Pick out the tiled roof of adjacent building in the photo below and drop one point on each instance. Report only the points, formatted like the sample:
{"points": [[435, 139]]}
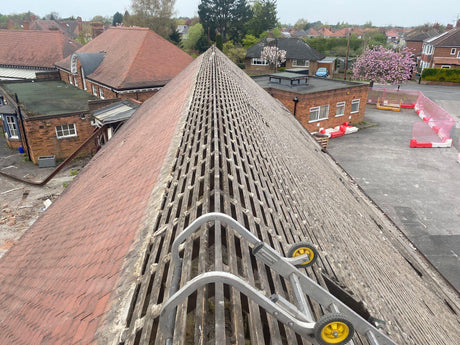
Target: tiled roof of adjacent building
{"points": [[133, 58], [419, 36], [447, 39], [30, 48], [96, 266], [295, 48]]}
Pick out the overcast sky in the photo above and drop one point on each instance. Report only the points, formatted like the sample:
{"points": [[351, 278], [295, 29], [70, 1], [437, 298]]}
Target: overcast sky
{"points": [[390, 12]]}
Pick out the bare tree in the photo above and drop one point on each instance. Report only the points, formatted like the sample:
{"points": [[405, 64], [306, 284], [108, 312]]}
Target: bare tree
{"points": [[154, 14]]}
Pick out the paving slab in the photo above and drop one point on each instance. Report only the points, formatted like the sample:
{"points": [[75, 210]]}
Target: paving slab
{"points": [[418, 188]]}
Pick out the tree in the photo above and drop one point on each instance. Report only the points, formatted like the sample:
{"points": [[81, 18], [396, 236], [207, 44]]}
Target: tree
{"points": [[224, 17], [153, 14], [175, 38], [235, 53], [194, 34], [384, 65], [219, 43], [302, 24], [274, 56], [264, 17], [249, 40], [117, 19]]}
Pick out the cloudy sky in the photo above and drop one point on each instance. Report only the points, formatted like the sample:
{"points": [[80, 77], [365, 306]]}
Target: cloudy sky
{"points": [[389, 12]]}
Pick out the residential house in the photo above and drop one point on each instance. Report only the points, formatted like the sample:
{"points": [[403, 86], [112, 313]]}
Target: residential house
{"points": [[24, 53], [124, 63], [414, 41], [98, 266], [298, 55], [182, 29], [46, 118], [442, 51], [318, 103]]}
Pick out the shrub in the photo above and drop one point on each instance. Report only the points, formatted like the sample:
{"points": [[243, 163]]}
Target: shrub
{"points": [[441, 74]]}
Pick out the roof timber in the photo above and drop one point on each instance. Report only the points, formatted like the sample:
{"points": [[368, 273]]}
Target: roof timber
{"points": [[243, 155]]}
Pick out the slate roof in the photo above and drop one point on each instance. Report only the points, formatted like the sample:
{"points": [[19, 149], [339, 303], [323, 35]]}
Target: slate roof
{"points": [[133, 58], [420, 36], [447, 39], [30, 48], [95, 267], [295, 48]]}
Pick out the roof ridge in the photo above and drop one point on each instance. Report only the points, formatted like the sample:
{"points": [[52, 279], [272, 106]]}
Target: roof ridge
{"points": [[133, 65]]}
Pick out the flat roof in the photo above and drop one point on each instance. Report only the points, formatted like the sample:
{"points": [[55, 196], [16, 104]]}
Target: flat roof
{"points": [[314, 84], [48, 98]]}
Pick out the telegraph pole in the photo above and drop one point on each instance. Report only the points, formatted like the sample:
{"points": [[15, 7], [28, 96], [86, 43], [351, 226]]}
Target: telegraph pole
{"points": [[346, 59]]}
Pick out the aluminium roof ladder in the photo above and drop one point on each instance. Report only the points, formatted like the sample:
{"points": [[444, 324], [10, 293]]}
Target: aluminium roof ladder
{"points": [[337, 327]]}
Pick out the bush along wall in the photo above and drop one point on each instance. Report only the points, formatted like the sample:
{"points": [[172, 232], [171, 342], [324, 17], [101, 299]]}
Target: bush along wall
{"points": [[441, 74]]}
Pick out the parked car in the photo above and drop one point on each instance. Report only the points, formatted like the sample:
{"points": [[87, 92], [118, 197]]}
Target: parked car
{"points": [[322, 72]]}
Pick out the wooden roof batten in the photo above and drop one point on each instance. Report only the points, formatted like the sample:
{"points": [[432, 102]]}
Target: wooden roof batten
{"points": [[240, 153]]}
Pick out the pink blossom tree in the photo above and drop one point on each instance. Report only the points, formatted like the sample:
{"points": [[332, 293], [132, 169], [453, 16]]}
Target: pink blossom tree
{"points": [[384, 66], [274, 56]]}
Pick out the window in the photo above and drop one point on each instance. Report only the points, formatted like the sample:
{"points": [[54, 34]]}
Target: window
{"points": [[300, 63], [75, 81], [12, 127], [453, 51], [319, 113], [340, 109], [94, 90], [355, 106], [66, 131], [261, 62], [101, 93], [70, 80], [458, 54], [445, 66]]}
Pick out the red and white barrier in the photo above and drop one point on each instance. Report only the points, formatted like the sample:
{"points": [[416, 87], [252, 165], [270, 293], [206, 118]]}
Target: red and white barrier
{"points": [[338, 131], [437, 119]]}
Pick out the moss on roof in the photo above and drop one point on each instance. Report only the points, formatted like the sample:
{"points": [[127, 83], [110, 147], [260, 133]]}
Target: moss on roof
{"points": [[49, 98]]}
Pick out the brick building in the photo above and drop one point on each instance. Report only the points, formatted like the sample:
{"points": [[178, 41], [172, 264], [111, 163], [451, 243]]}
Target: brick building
{"points": [[98, 266], [442, 51], [298, 55], [52, 119], [124, 63], [320, 103], [24, 53]]}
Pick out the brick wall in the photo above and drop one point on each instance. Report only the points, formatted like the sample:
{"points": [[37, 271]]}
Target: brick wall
{"points": [[415, 47], [330, 98], [41, 135]]}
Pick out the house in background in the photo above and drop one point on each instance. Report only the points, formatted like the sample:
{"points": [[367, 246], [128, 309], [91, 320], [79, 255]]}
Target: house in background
{"points": [[124, 63], [48, 118], [298, 55], [414, 41], [442, 51], [24, 53], [318, 103]]}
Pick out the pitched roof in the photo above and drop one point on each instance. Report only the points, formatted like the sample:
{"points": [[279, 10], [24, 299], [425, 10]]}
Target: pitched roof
{"points": [[133, 58], [447, 39], [420, 36], [295, 48], [31, 48], [96, 266]]}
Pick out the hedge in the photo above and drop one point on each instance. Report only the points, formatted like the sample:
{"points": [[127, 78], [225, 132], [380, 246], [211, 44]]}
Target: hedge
{"points": [[441, 74]]}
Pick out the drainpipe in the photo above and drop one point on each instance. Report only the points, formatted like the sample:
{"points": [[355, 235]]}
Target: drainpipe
{"points": [[295, 100], [21, 120]]}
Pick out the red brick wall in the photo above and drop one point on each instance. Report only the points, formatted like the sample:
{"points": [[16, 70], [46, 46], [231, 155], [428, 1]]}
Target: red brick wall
{"points": [[415, 47], [41, 135], [330, 98]]}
